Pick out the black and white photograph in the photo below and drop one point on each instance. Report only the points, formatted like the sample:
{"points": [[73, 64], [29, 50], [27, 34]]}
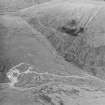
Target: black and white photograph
{"points": [[52, 52]]}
